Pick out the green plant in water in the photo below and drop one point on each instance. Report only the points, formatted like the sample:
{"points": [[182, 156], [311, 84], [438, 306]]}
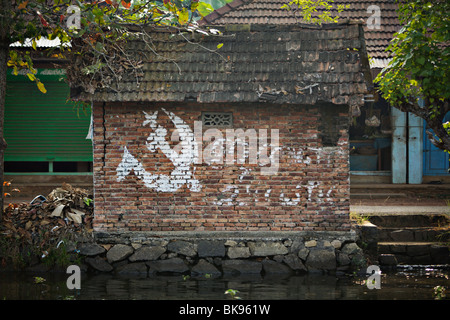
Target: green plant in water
{"points": [[39, 280], [439, 292], [233, 293]]}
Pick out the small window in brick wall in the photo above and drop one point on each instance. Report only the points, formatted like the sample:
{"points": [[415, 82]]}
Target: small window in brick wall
{"points": [[217, 119]]}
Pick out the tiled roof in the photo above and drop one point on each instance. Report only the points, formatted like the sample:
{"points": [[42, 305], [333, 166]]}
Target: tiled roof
{"points": [[270, 12], [282, 64]]}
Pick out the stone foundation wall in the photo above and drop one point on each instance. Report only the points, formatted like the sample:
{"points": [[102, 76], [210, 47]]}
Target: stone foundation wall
{"points": [[228, 253]]}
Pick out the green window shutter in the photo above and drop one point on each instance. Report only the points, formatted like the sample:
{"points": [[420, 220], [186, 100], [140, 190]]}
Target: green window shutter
{"points": [[44, 127]]}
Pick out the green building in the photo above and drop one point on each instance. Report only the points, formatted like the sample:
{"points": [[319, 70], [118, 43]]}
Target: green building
{"points": [[47, 135]]}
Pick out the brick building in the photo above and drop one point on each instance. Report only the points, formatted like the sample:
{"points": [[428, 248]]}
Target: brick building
{"points": [[250, 137]]}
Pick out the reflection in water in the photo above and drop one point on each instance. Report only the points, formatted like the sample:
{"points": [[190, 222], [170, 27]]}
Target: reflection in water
{"points": [[402, 285]]}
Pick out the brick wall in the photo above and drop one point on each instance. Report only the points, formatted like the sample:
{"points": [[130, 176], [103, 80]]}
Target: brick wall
{"points": [[141, 185]]}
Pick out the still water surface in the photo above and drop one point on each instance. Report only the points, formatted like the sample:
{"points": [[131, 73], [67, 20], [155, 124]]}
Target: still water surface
{"points": [[403, 284]]}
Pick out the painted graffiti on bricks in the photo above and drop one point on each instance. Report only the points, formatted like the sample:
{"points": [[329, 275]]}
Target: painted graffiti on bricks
{"points": [[235, 147], [189, 152]]}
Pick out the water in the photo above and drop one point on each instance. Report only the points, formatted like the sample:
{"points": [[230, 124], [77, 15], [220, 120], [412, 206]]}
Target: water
{"points": [[407, 283]]}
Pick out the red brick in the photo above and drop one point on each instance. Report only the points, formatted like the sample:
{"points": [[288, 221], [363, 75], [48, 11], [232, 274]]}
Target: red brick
{"points": [[319, 176]]}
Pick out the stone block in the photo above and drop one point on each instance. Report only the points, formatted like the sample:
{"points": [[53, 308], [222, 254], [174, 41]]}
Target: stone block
{"points": [[230, 243], [135, 268], [174, 265], [369, 232], [99, 264], [387, 259], [273, 267], [264, 249], [237, 267], [211, 248], [146, 253], [351, 248], [440, 254], [321, 259], [402, 235], [417, 250], [296, 246], [203, 267], [310, 243], [238, 252], [343, 259], [294, 262], [397, 248], [119, 252], [91, 249], [421, 259], [303, 254], [183, 247], [336, 244]]}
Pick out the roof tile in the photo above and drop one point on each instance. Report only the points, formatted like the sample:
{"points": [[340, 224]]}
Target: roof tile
{"points": [[279, 64], [270, 12]]}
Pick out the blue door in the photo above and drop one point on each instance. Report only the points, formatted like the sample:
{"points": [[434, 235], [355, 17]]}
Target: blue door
{"points": [[435, 160]]}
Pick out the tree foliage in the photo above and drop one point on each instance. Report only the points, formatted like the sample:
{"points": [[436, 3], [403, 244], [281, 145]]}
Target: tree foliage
{"points": [[417, 78], [316, 11], [95, 28], [90, 33]]}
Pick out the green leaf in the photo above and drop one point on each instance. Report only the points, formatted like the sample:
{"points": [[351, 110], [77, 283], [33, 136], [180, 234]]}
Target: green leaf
{"points": [[194, 6], [31, 76], [99, 46], [204, 8], [421, 60], [41, 87], [183, 16]]}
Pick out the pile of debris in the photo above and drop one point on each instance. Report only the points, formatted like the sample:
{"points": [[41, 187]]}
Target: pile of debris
{"points": [[65, 211]]}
